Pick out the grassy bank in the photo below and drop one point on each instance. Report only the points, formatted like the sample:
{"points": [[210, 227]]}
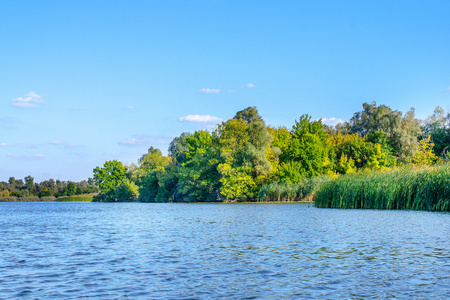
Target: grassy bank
{"points": [[26, 199], [76, 198], [421, 188]]}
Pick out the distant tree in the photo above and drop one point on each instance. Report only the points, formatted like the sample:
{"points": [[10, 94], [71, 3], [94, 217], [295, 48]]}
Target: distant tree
{"points": [[46, 192], [29, 184], [70, 189], [249, 115]]}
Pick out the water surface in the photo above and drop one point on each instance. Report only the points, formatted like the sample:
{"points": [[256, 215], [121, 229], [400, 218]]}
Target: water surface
{"points": [[231, 251]]}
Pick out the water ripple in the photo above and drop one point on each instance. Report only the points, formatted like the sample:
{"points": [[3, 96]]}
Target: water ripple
{"points": [[236, 251]]}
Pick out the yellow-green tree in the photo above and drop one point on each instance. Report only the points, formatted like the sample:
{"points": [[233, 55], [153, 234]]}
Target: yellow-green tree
{"points": [[425, 154]]}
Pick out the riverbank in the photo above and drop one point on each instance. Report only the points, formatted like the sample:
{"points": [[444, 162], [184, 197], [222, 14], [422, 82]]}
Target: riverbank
{"points": [[74, 198]]}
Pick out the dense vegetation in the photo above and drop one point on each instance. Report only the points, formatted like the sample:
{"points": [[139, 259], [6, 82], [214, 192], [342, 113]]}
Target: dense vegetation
{"points": [[47, 190], [425, 187], [245, 160]]}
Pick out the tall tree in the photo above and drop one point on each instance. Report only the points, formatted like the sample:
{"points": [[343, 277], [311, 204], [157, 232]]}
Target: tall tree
{"points": [[437, 127], [307, 154], [178, 148], [402, 131]]}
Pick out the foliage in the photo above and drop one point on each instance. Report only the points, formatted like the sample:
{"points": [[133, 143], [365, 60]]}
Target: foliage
{"points": [[236, 182], [437, 127], [425, 154], [126, 191], [153, 160], [245, 160], [308, 152], [401, 131], [110, 176]]}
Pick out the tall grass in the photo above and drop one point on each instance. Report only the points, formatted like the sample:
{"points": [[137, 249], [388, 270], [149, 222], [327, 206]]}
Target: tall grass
{"points": [[300, 191], [26, 199], [76, 198], [420, 187]]}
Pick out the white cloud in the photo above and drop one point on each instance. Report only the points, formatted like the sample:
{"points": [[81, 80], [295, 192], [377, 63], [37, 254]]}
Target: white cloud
{"points": [[332, 121], [200, 119], [146, 140], [141, 142], [130, 107], [209, 91], [27, 157], [250, 85], [5, 145], [28, 100]]}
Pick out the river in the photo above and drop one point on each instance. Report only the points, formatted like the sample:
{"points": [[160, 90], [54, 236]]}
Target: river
{"points": [[230, 251]]}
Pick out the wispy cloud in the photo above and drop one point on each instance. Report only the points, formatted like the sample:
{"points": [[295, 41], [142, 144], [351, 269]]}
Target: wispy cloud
{"points": [[140, 140], [209, 91], [332, 121], [250, 85], [27, 157], [5, 144], [65, 145], [28, 100], [132, 142], [130, 107], [206, 119], [155, 136]]}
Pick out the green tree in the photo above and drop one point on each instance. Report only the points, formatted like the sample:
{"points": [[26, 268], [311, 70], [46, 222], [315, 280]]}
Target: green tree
{"points": [[198, 179], [178, 148], [308, 150], [70, 189], [152, 160], [126, 191], [402, 131], [437, 127], [110, 176], [425, 154], [29, 184]]}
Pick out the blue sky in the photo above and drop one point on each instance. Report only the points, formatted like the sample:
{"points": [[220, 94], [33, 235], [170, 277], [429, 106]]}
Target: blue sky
{"points": [[83, 82]]}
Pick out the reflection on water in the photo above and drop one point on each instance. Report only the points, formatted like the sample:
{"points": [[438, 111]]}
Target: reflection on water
{"points": [[233, 251]]}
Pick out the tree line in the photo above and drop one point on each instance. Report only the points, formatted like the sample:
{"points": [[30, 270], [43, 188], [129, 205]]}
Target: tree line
{"points": [[28, 188], [243, 157]]}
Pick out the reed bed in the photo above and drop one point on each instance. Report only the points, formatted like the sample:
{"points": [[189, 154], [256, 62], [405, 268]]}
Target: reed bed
{"points": [[75, 198], [26, 199], [419, 188], [299, 191]]}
